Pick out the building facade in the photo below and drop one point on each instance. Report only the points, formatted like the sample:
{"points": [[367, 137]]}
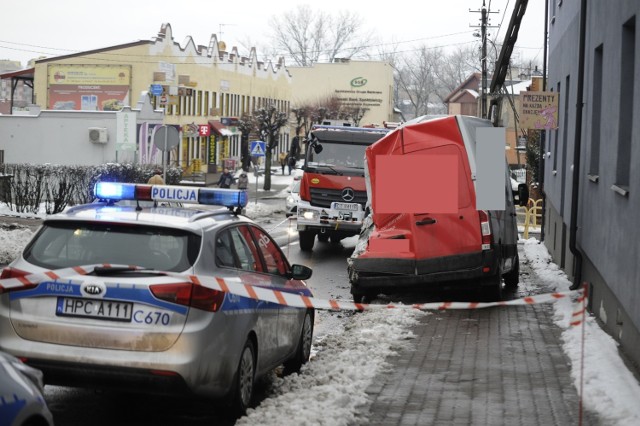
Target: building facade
{"points": [[601, 126], [365, 85], [198, 87]]}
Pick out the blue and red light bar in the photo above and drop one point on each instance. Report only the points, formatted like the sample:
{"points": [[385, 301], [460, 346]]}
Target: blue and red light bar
{"points": [[116, 191]]}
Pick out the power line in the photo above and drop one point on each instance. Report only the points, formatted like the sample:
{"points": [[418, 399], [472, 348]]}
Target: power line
{"points": [[72, 52]]}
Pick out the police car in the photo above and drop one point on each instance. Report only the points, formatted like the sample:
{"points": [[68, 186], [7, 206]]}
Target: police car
{"points": [[21, 400], [122, 304]]}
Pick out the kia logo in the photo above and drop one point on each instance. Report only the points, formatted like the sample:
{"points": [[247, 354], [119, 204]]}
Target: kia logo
{"points": [[348, 194], [92, 289]]}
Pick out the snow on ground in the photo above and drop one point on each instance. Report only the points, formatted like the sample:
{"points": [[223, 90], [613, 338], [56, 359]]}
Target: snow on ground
{"points": [[331, 387], [610, 389]]}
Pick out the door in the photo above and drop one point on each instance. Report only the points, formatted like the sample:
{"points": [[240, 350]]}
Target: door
{"points": [[441, 235]]}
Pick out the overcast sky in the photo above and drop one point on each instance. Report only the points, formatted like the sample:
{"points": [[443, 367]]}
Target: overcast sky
{"points": [[52, 28]]}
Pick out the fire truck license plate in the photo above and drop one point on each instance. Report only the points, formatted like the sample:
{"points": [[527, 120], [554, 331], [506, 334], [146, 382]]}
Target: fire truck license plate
{"points": [[353, 207]]}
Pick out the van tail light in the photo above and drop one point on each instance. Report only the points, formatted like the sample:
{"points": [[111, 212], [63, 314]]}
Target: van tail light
{"points": [[485, 228], [188, 294], [10, 272]]}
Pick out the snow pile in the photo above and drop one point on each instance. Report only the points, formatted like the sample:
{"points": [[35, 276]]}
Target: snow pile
{"points": [[12, 242], [255, 210], [610, 388], [331, 388]]}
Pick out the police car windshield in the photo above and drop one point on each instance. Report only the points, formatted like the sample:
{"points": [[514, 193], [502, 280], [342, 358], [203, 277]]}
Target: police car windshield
{"points": [[338, 155], [61, 245]]}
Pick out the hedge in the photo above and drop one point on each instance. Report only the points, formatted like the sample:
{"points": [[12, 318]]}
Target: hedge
{"points": [[26, 187]]}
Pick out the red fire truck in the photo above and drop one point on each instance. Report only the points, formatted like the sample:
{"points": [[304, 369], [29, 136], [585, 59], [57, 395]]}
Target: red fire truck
{"points": [[332, 190]]}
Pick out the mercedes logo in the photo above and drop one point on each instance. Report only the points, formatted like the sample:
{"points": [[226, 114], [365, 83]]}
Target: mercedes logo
{"points": [[348, 194]]}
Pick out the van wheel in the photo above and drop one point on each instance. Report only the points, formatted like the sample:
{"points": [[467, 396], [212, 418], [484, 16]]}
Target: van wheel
{"points": [[242, 393], [323, 237], [493, 288], [303, 351], [512, 278], [360, 296], [306, 240]]}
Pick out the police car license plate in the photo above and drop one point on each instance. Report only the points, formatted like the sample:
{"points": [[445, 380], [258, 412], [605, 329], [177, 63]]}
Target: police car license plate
{"points": [[92, 308], [353, 207]]}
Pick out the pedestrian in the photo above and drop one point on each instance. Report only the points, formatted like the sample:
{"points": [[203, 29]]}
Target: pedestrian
{"points": [[156, 179], [243, 181], [292, 163], [226, 179], [283, 160]]}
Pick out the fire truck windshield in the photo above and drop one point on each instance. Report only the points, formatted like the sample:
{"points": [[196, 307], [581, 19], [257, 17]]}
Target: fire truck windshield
{"points": [[337, 155]]}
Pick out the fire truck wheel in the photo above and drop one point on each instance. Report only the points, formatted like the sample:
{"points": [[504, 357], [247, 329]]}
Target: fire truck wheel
{"points": [[307, 239], [323, 238]]}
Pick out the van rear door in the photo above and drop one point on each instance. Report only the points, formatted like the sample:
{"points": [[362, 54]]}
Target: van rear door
{"points": [[441, 235]]}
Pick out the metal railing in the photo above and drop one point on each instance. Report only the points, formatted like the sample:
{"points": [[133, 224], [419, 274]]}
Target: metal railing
{"points": [[531, 215]]}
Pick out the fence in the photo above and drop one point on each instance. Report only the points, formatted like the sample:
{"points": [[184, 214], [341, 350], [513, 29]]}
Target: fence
{"points": [[531, 216]]}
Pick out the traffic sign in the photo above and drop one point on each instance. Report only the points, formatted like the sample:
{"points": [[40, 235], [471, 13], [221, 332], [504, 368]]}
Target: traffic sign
{"points": [[258, 148], [166, 137], [156, 89], [163, 100]]}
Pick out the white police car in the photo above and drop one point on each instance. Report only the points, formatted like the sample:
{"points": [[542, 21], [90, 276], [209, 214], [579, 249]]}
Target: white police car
{"points": [[140, 317], [21, 400], [293, 196]]}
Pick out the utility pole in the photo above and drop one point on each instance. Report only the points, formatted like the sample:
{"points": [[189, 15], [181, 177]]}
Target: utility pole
{"points": [[484, 24]]}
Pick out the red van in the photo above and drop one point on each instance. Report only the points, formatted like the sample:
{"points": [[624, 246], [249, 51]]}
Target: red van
{"points": [[424, 249]]}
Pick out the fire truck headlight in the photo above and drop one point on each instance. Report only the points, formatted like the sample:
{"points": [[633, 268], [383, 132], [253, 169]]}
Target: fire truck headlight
{"points": [[308, 214]]}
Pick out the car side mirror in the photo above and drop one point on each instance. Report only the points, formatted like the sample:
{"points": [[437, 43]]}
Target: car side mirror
{"points": [[300, 272], [317, 148], [523, 194]]}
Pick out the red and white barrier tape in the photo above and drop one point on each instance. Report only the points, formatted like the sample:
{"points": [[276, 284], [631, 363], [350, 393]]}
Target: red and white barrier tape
{"points": [[237, 287]]}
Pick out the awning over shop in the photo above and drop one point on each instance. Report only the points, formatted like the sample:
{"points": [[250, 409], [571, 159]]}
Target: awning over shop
{"points": [[25, 75], [220, 128]]}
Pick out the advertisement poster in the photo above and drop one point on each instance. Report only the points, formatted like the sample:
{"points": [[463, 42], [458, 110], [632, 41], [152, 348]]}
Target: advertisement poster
{"points": [[539, 110], [88, 87]]}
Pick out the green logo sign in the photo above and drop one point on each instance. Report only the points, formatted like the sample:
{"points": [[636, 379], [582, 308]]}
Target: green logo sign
{"points": [[358, 82]]}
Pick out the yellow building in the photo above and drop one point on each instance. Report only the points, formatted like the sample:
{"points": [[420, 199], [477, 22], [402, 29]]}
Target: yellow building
{"points": [[356, 84], [199, 87]]}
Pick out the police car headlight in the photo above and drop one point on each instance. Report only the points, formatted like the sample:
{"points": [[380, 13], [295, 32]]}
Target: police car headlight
{"points": [[289, 201]]}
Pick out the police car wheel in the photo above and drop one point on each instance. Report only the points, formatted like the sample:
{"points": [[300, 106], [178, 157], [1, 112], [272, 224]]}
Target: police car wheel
{"points": [[303, 351], [244, 380]]}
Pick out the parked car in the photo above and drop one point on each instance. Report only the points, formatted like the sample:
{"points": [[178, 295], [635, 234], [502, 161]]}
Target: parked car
{"points": [[127, 324], [21, 399], [424, 249], [293, 196]]}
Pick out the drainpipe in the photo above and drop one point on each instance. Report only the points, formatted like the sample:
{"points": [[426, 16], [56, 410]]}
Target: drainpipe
{"points": [[573, 230], [543, 133]]}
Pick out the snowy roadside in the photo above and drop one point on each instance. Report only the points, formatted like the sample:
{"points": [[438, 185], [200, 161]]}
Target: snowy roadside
{"points": [[610, 389], [330, 390], [332, 386]]}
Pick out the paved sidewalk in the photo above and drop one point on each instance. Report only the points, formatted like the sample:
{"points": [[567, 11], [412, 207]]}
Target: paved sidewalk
{"points": [[497, 366]]}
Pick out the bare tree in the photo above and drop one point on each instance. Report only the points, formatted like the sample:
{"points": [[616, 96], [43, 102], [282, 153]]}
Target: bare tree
{"points": [[302, 114], [417, 78], [269, 122], [454, 68], [309, 36], [355, 114], [246, 125]]}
